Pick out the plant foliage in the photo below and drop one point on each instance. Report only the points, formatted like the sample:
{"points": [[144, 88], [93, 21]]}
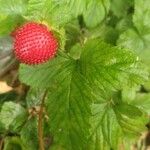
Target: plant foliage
{"points": [[94, 91]]}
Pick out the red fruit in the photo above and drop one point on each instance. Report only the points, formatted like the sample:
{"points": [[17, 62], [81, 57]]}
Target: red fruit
{"points": [[34, 43]]}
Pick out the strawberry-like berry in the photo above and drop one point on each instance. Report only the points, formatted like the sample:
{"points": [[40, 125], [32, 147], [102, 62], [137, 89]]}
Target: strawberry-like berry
{"points": [[34, 43]]}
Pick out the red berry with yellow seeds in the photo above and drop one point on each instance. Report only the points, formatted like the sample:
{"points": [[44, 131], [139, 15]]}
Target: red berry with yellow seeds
{"points": [[34, 43]]}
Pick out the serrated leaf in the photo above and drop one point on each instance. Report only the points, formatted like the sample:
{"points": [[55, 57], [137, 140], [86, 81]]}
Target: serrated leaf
{"points": [[54, 12], [137, 38], [9, 23], [109, 67], [139, 43], [53, 67], [12, 115], [71, 103], [142, 101], [140, 20], [114, 122], [95, 12], [77, 7], [118, 5], [13, 7]]}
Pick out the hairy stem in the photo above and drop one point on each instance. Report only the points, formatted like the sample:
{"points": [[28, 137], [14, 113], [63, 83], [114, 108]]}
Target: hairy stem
{"points": [[40, 123]]}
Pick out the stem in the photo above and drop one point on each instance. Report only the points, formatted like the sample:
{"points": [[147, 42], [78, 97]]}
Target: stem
{"points": [[1, 143], [40, 123]]}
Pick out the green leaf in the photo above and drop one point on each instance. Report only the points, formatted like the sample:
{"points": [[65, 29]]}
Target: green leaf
{"points": [[45, 73], [29, 135], [95, 12], [135, 41], [12, 115], [137, 38], [13, 7], [118, 5], [71, 103], [75, 51], [54, 12], [113, 122], [142, 101], [110, 67], [77, 7], [129, 111], [9, 23], [140, 20]]}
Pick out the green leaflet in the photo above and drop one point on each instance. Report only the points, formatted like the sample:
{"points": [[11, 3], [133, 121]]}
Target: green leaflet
{"points": [[137, 38], [97, 7], [54, 12], [51, 72], [12, 116], [13, 7], [114, 124], [69, 111], [140, 20], [109, 67], [12, 12]]}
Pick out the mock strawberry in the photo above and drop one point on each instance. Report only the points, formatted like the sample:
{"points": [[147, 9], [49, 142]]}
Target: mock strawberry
{"points": [[34, 43]]}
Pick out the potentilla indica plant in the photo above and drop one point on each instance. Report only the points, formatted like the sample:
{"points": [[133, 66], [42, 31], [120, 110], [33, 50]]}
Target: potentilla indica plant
{"points": [[78, 70]]}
